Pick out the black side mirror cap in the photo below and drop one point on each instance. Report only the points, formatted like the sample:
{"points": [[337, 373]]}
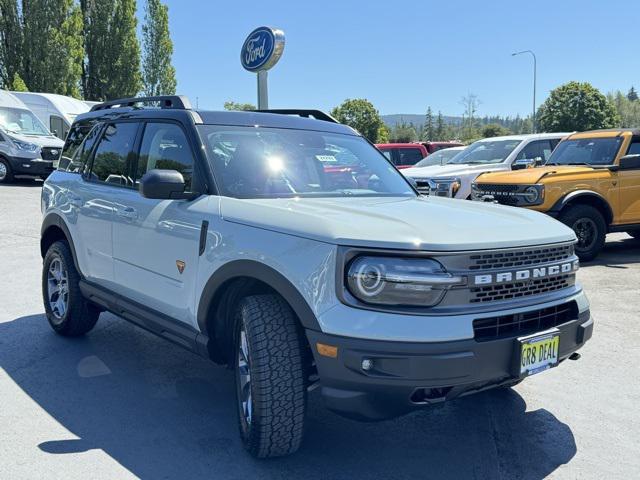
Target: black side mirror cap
{"points": [[629, 162], [163, 185]]}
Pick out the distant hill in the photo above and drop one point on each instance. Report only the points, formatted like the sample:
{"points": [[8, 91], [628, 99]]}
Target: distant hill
{"points": [[392, 120]]}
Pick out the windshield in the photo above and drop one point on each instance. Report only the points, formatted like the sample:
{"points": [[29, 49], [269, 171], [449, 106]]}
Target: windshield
{"points": [[256, 162], [19, 120], [492, 151], [438, 158], [586, 151]]}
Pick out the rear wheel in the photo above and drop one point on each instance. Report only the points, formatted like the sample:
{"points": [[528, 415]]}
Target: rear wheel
{"points": [[590, 228], [67, 311], [6, 175], [270, 376]]}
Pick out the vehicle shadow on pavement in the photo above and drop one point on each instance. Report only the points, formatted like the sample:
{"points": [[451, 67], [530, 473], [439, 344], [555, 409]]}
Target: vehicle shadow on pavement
{"points": [[162, 412], [617, 254]]}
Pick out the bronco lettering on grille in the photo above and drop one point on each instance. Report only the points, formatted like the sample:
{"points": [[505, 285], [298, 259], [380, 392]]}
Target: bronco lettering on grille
{"points": [[524, 275]]}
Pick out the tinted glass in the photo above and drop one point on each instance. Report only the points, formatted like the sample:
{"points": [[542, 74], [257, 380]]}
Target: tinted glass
{"points": [[409, 156], [256, 162], [165, 146], [634, 148], [111, 162], [586, 151], [78, 131], [492, 151], [440, 157], [539, 149], [80, 155]]}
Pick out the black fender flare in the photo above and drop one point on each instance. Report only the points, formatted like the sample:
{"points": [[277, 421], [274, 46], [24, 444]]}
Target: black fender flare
{"points": [[588, 194], [55, 220], [263, 273]]}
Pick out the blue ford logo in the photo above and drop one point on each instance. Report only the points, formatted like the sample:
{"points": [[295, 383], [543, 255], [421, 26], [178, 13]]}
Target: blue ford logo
{"points": [[262, 49]]}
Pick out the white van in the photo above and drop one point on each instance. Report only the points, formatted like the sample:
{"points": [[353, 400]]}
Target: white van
{"points": [[27, 148], [57, 112]]}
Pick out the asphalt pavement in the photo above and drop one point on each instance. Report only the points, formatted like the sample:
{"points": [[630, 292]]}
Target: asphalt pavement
{"points": [[121, 403]]}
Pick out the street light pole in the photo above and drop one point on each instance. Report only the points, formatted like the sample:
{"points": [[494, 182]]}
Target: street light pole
{"points": [[533, 117]]}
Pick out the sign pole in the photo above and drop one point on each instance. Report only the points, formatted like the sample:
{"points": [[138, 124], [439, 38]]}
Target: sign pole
{"points": [[263, 90]]}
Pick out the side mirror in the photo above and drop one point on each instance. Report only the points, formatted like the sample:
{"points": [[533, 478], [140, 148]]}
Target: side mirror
{"points": [[163, 185], [524, 163], [629, 162]]}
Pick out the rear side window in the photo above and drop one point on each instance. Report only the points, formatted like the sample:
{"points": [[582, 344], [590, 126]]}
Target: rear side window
{"points": [[114, 153], [165, 146], [634, 148], [78, 162], [78, 131], [409, 156]]}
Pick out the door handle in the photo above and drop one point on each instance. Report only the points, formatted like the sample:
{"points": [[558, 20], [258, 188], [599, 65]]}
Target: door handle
{"points": [[129, 213]]}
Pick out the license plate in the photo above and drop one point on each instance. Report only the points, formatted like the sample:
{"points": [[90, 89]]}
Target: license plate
{"points": [[539, 352]]}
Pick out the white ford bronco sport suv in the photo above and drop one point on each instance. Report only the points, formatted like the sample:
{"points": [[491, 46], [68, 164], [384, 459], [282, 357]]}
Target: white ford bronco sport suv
{"points": [[225, 233]]}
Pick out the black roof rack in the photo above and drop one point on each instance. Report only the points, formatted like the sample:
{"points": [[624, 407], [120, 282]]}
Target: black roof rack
{"points": [[176, 102], [317, 114]]}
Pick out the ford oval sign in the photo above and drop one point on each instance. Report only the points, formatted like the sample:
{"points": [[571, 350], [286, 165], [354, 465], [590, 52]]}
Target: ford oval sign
{"points": [[262, 49]]}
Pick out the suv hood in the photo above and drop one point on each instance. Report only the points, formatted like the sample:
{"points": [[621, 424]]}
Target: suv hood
{"points": [[40, 140], [534, 175], [461, 170], [415, 223]]}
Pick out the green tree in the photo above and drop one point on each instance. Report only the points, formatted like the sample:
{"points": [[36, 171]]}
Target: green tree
{"points": [[494, 130], [440, 127], [384, 134], [112, 68], [576, 106], [469, 129], [403, 133], [230, 105], [158, 74], [52, 51], [429, 130], [10, 42], [360, 114], [17, 84], [632, 95], [628, 110]]}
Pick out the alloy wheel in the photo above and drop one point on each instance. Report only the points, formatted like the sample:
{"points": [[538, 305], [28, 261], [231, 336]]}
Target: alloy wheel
{"points": [[244, 377], [58, 289], [3, 171], [587, 232]]}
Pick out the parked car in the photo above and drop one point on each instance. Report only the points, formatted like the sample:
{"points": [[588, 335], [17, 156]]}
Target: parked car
{"points": [[404, 155], [487, 155], [222, 232], [27, 148], [439, 157], [591, 183], [55, 111]]}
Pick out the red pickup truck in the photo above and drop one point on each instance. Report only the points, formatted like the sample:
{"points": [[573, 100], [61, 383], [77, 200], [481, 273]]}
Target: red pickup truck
{"points": [[404, 155]]}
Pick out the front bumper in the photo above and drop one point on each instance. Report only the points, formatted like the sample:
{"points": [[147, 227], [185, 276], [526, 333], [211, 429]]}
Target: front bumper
{"points": [[406, 376], [31, 167]]}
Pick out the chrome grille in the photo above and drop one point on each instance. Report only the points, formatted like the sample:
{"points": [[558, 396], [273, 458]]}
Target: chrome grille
{"points": [[519, 324], [509, 291], [50, 153], [520, 258]]}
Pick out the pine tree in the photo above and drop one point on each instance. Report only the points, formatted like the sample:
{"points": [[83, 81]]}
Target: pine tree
{"points": [[97, 17], [125, 79], [159, 76], [440, 127], [632, 95], [428, 132], [52, 46], [10, 42], [17, 84]]}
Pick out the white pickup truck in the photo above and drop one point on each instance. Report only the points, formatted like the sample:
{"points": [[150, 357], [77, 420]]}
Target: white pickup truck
{"points": [[487, 155]]}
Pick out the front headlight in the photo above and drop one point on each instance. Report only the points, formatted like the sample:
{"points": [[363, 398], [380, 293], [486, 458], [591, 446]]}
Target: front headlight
{"points": [[415, 282], [445, 187], [534, 194], [26, 146]]}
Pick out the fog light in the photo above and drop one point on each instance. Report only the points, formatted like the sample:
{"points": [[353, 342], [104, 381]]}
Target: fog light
{"points": [[367, 364]]}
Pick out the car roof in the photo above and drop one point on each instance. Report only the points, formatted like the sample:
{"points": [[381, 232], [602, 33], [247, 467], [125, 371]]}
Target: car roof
{"points": [[529, 136], [61, 102], [229, 118], [606, 132]]}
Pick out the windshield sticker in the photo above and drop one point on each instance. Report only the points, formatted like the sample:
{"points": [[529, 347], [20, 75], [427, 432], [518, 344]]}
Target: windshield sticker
{"points": [[326, 158]]}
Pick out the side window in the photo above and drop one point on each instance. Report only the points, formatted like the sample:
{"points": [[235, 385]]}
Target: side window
{"points": [[388, 154], [409, 156], [78, 162], [165, 146], [112, 159], [78, 132], [634, 148], [56, 125], [540, 149]]}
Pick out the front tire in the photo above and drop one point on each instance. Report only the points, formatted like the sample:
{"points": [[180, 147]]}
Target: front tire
{"points": [[67, 311], [590, 228], [6, 175], [270, 376]]}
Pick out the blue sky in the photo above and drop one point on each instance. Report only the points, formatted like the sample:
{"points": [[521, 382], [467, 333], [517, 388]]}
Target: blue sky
{"points": [[406, 55]]}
